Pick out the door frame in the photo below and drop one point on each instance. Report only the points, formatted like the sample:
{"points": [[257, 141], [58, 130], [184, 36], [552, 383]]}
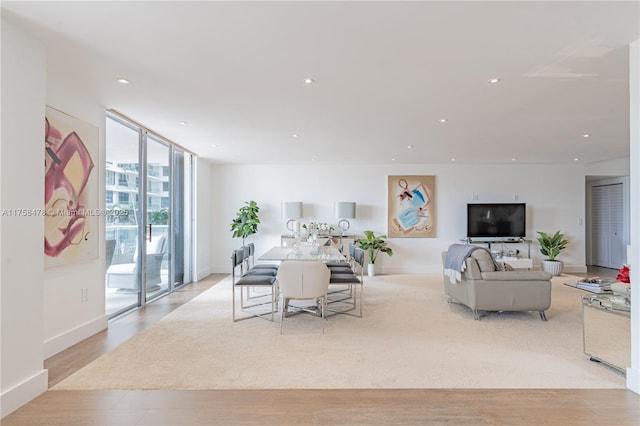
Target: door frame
{"points": [[144, 135]]}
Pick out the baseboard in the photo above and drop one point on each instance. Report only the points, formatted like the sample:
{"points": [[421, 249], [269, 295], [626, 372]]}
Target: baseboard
{"points": [[17, 396], [633, 380], [202, 274], [410, 270], [220, 269], [580, 269], [69, 338]]}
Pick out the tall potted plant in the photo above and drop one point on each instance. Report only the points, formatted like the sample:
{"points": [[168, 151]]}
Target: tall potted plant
{"points": [[551, 247], [246, 221], [373, 245]]}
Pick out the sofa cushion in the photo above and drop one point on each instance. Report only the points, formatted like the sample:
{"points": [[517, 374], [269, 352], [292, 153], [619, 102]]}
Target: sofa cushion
{"points": [[484, 259], [516, 276]]}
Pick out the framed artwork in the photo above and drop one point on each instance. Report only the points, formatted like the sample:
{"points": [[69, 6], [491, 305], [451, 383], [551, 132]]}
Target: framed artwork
{"points": [[411, 207], [70, 190]]}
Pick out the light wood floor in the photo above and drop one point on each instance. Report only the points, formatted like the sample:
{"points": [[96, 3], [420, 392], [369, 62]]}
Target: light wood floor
{"points": [[303, 407]]}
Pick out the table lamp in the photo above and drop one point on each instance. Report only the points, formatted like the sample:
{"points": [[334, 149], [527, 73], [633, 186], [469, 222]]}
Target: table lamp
{"points": [[291, 211], [345, 210]]}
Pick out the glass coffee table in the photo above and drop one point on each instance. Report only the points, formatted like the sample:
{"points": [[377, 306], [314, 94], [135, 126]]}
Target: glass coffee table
{"points": [[595, 291]]}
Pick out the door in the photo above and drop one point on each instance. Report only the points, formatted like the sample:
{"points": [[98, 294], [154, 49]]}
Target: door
{"points": [[607, 229], [157, 278], [181, 202], [122, 222]]}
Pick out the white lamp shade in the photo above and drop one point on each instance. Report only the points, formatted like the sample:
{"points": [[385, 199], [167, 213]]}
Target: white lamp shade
{"points": [[345, 210], [292, 210]]}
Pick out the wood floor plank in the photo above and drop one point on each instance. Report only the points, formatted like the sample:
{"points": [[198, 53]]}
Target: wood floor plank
{"points": [[333, 407]]}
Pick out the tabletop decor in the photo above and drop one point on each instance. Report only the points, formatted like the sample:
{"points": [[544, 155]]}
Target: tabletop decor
{"points": [[623, 275], [318, 228]]}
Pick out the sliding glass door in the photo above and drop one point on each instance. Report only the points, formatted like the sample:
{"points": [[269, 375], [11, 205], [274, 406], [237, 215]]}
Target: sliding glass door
{"points": [[123, 225], [148, 196], [157, 225], [181, 201]]}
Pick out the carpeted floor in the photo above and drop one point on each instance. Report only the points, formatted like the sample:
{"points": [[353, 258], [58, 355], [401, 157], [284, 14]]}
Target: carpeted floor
{"points": [[410, 337]]}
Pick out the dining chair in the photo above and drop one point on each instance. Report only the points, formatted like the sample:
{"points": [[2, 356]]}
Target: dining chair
{"points": [[242, 281], [354, 279], [303, 280], [253, 268], [345, 265]]}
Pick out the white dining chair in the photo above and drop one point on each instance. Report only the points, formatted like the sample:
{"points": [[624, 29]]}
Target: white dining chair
{"points": [[303, 280]]}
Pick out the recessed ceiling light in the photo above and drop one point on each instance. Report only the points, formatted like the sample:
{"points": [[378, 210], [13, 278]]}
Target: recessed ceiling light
{"points": [[513, 159], [295, 135], [393, 159], [123, 81], [576, 159], [313, 159], [453, 159], [410, 146], [308, 80], [586, 135], [494, 80], [443, 120], [183, 123]]}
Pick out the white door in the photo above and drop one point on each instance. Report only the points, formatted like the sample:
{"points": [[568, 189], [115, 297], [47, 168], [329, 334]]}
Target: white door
{"points": [[607, 225]]}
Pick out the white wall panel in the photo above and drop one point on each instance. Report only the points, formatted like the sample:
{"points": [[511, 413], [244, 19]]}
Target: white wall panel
{"points": [[554, 197], [21, 241]]}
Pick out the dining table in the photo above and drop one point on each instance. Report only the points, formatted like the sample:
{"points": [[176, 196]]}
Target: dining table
{"points": [[342, 299], [303, 251]]}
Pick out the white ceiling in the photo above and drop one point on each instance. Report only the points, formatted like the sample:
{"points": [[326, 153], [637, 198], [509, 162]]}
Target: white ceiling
{"points": [[385, 73]]}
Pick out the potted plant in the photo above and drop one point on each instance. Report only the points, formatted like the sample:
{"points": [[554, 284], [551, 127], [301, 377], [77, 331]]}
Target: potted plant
{"points": [[246, 221], [551, 247], [374, 245]]}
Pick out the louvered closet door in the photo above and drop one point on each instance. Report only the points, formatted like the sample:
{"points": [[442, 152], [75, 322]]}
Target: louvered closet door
{"points": [[607, 225]]}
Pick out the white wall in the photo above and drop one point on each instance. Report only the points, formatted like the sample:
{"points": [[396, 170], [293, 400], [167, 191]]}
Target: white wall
{"points": [[554, 195], [67, 319], [617, 167], [21, 273], [44, 307]]}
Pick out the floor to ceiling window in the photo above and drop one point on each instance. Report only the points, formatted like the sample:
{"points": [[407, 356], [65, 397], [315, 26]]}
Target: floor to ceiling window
{"points": [[148, 196]]}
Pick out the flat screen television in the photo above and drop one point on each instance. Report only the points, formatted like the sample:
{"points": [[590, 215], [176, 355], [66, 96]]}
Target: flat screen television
{"points": [[495, 221]]}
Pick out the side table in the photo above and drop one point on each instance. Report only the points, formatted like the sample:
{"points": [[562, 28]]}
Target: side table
{"points": [[607, 330]]}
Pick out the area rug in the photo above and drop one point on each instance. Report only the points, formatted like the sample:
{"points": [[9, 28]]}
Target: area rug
{"points": [[409, 337]]}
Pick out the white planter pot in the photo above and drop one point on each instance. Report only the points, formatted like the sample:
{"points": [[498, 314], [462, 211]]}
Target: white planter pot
{"points": [[554, 267], [371, 269]]}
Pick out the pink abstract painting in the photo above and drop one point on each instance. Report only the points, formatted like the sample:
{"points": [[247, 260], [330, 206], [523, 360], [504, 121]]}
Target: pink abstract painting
{"points": [[70, 190]]}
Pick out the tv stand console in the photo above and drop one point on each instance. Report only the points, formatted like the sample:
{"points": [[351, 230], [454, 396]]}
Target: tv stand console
{"points": [[516, 262]]}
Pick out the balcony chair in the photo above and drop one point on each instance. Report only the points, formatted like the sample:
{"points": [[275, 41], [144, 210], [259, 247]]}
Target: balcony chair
{"points": [[124, 276]]}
